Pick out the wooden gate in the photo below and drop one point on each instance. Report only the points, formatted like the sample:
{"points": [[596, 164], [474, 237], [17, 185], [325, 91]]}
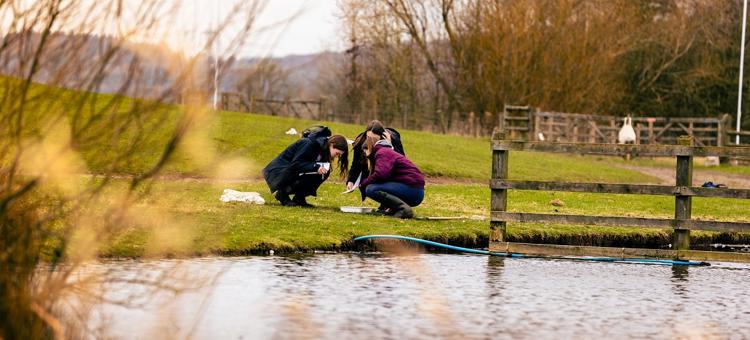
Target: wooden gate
{"points": [[583, 128]]}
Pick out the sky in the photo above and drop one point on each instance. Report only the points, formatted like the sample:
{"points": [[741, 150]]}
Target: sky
{"points": [[288, 26], [282, 28]]}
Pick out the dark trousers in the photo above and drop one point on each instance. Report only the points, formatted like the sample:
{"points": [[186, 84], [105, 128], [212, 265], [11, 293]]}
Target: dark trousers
{"points": [[411, 196], [305, 185]]}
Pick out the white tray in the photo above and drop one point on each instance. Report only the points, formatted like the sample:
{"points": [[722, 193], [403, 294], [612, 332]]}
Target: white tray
{"points": [[356, 210]]}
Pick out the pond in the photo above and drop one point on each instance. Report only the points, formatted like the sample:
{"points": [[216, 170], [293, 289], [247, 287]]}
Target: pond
{"points": [[377, 296]]}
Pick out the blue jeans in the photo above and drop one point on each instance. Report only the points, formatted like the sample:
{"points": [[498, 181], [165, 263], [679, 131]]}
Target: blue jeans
{"points": [[411, 196]]}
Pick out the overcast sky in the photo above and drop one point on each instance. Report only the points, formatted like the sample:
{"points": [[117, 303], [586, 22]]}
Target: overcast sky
{"points": [[283, 27], [289, 26]]}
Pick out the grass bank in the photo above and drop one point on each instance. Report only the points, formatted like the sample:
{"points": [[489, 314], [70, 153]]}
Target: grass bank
{"points": [[208, 226], [185, 215]]}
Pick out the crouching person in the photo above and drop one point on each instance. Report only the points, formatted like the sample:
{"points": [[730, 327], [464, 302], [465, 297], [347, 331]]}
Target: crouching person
{"points": [[394, 181], [303, 166]]}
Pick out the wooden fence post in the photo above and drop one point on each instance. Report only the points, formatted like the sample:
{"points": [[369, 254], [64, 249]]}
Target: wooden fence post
{"points": [[722, 135], [499, 197], [683, 204], [531, 132]]}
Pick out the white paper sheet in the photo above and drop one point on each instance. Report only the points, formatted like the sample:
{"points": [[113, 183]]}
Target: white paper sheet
{"points": [[356, 185]]}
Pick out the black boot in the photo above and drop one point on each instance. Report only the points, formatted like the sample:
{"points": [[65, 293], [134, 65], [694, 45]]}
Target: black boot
{"points": [[283, 198], [382, 210], [300, 201], [397, 207]]}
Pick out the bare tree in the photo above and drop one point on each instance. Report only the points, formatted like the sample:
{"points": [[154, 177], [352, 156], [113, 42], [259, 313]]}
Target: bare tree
{"points": [[266, 79], [53, 216], [465, 59]]}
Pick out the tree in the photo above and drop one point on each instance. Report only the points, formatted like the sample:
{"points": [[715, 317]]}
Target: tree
{"points": [[54, 213], [647, 57]]}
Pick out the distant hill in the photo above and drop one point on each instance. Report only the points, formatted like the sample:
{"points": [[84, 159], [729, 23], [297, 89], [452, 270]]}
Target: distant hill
{"points": [[304, 72], [68, 56]]}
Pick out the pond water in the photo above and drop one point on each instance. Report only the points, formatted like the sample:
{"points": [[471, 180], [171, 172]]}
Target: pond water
{"points": [[375, 296]]}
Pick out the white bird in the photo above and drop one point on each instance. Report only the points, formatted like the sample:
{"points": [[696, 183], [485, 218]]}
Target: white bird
{"points": [[291, 131], [627, 134]]}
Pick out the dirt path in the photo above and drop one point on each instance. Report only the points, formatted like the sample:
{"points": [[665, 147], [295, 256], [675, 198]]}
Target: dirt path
{"points": [[666, 176]]}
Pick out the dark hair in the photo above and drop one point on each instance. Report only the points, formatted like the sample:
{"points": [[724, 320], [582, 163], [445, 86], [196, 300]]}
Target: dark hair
{"points": [[358, 154], [376, 127], [339, 143]]}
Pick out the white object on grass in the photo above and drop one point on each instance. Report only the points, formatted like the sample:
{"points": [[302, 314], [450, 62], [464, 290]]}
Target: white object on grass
{"points": [[356, 185], [291, 131], [326, 165], [356, 210], [349, 141], [230, 195], [627, 134]]}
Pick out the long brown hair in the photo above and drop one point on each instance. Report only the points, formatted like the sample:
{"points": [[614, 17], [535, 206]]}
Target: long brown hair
{"points": [[339, 143], [368, 144]]}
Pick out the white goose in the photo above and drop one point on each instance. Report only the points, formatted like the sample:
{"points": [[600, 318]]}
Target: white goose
{"points": [[627, 134]]}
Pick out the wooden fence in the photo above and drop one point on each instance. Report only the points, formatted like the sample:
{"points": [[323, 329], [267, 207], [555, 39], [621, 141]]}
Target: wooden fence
{"points": [[524, 122], [683, 191], [744, 137], [310, 109]]}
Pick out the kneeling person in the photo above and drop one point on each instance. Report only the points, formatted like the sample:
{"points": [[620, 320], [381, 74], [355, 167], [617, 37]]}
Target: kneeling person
{"points": [[301, 168], [394, 181]]}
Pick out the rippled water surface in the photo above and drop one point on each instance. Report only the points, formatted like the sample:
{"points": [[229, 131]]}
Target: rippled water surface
{"points": [[352, 296]]}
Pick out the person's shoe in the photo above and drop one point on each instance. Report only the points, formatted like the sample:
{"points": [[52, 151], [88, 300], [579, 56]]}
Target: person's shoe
{"points": [[396, 207], [283, 198], [382, 210], [301, 202]]}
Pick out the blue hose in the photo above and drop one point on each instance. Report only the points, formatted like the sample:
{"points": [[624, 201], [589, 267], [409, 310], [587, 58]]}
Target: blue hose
{"points": [[517, 255]]}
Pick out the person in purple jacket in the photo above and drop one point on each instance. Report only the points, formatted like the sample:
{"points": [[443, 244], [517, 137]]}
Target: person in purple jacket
{"points": [[394, 181]]}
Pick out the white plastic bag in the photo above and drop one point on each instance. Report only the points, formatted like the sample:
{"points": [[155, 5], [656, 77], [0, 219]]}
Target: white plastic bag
{"points": [[230, 195]]}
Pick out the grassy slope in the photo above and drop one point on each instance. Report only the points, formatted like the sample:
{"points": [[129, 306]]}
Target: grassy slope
{"points": [[259, 138], [215, 226], [236, 228]]}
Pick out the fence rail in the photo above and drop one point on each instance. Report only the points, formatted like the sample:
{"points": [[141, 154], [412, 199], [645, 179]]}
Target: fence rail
{"points": [[614, 188], [683, 192], [311, 109], [618, 221], [654, 150], [744, 137], [527, 123]]}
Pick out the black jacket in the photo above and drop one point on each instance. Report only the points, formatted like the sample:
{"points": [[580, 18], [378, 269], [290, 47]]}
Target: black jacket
{"points": [[300, 157], [359, 160]]}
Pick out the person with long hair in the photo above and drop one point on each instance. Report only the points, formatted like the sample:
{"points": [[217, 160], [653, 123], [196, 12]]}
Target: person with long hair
{"points": [[359, 169], [394, 181], [304, 165]]}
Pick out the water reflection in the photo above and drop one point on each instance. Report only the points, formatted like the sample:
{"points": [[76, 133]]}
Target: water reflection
{"points": [[680, 280], [451, 296]]}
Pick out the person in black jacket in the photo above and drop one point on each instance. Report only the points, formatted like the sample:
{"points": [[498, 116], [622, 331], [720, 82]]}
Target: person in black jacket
{"points": [[301, 168], [359, 167]]}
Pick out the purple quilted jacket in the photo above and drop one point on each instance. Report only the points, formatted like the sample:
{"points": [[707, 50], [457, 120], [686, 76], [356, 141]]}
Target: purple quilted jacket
{"points": [[391, 166]]}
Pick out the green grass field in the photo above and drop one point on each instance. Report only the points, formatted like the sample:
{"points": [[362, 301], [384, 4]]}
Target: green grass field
{"points": [[186, 197], [259, 138], [457, 167], [211, 226]]}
